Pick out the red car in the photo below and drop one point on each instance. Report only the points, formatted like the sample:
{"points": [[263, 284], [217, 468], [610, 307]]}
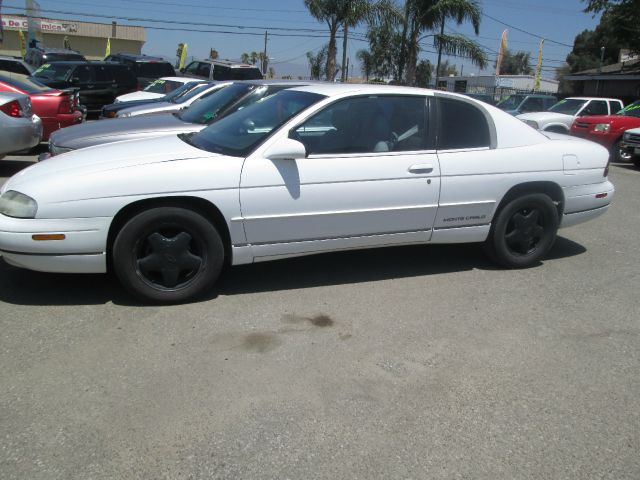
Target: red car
{"points": [[607, 130], [56, 108]]}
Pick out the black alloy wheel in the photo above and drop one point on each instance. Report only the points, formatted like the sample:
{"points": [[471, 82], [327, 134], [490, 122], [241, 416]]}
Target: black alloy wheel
{"points": [[167, 255], [523, 231]]}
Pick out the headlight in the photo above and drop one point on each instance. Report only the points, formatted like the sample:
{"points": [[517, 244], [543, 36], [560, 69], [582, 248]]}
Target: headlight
{"points": [[123, 114], [18, 205], [602, 128], [533, 124]]}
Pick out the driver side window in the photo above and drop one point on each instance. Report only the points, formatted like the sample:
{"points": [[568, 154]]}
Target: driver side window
{"points": [[374, 124], [192, 68]]}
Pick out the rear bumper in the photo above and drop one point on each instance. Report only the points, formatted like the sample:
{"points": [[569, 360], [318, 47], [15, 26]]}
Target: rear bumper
{"points": [[585, 202]]}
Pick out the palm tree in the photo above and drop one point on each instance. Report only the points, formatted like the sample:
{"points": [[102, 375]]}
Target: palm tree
{"points": [[346, 14], [244, 58], [430, 16], [213, 54], [366, 62], [272, 72], [253, 57]]}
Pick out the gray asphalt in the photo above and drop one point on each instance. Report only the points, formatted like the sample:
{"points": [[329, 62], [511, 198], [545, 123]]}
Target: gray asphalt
{"points": [[403, 363]]}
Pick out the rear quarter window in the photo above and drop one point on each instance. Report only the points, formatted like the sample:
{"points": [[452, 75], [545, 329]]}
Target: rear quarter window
{"points": [[461, 125]]}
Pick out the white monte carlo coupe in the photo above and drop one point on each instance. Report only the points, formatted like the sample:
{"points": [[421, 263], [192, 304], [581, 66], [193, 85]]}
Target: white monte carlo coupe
{"points": [[308, 170]]}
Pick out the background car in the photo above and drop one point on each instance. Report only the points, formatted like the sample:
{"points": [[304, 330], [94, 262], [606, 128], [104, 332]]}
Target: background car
{"points": [[111, 110], [524, 103], [37, 56], [608, 130], [15, 65], [145, 68], [99, 83], [20, 129], [483, 97], [56, 108], [308, 170], [197, 93], [221, 70], [222, 103], [561, 115], [631, 143], [156, 89]]}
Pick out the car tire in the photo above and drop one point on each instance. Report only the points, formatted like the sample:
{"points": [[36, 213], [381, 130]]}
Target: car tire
{"points": [[636, 161], [619, 155], [523, 231], [167, 255]]}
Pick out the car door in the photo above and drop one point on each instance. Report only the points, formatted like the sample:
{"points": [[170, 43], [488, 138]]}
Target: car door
{"points": [[370, 178]]}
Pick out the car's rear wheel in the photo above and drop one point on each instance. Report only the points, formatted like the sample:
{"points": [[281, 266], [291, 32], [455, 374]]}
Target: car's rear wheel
{"points": [[167, 255], [523, 231]]}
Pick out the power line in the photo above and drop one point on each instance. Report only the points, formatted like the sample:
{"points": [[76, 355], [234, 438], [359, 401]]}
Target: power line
{"points": [[524, 31]]}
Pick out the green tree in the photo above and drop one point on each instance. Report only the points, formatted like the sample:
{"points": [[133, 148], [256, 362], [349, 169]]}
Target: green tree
{"points": [[345, 14], [384, 44], [446, 69], [244, 58], [423, 73], [366, 62], [317, 63], [427, 18], [619, 25], [518, 63], [253, 58]]}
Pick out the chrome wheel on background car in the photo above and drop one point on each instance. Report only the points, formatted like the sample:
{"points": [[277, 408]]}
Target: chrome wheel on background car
{"points": [[620, 154], [167, 255], [523, 231]]}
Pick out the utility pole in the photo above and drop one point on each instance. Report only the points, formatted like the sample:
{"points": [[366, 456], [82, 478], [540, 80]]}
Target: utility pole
{"points": [[600, 69], [343, 73], [439, 52], [264, 58]]}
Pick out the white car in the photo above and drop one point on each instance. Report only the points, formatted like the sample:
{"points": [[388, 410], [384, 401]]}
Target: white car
{"points": [[176, 104], [631, 143], [561, 115], [156, 89], [308, 170]]}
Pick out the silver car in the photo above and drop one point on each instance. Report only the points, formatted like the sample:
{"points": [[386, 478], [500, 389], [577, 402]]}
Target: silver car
{"points": [[20, 129], [185, 101], [198, 116]]}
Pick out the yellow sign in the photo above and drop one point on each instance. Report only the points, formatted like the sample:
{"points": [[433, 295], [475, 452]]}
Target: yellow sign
{"points": [[108, 50], [23, 43], [183, 57]]}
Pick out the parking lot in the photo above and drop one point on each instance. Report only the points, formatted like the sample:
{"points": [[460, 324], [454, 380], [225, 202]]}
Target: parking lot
{"points": [[410, 362]]}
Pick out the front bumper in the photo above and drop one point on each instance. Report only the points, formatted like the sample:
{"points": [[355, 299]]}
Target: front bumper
{"points": [[83, 249]]}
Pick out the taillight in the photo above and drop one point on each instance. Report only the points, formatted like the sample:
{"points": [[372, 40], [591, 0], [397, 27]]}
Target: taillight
{"points": [[65, 105], [13, 109]]}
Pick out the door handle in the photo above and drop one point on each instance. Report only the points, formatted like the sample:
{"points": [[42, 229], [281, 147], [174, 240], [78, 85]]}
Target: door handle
{"points": [[421, 168]]}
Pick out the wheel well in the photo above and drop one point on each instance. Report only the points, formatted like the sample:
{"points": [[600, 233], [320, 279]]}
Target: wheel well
{"points": [[207, 209], [551, 189]]}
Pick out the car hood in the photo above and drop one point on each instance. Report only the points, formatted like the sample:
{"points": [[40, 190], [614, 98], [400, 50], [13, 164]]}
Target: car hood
{"points": [[117, 129], [546, 117], [106, 167]]}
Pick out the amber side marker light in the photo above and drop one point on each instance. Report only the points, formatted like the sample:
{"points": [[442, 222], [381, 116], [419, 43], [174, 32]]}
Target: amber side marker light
{"points": [[601, 195], [49, 236]]}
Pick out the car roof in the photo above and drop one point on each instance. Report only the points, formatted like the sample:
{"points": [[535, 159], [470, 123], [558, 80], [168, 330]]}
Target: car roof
{"points": [[281, 82], [333, 89], [57, 50], [229, 63], [180, 79], [139, 58], [593, 98]]}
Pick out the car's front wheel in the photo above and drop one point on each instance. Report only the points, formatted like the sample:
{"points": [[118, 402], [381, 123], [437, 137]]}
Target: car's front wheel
{"points": [[523, 231], [167, 255], [619, 154]]}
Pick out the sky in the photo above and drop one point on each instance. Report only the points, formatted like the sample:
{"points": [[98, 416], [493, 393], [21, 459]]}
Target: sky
{"points": [[234, 27]]}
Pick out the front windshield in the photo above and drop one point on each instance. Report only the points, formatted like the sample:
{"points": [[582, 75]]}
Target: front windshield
{"points": [[191, 93], [568, 106], [162, 86], [239, 133], [511, 102], [205, 111], [632, 110], [53, 71], [178, 92]]}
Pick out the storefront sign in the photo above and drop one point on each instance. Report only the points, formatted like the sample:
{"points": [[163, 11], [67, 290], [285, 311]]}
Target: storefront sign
{"points": [[20, 23]]}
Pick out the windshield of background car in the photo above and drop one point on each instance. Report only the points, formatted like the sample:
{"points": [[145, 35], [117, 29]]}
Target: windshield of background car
{"points": [[568, 106], [162, 86], [631, 110], [191, 93], [182, 90], [53, 71], [205, 111], [25, 83], [154, 69], [238, 134], [511, 102]]}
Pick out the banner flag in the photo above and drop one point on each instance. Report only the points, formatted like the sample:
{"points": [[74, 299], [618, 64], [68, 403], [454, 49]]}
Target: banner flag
{"points": [[107, 52], [183, 56], [23, 43], [503, 50]]}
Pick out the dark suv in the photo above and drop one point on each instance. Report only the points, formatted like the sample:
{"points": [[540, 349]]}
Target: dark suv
{"points": [[37, 56], [99, 82], [146, 69], [221, 70]]}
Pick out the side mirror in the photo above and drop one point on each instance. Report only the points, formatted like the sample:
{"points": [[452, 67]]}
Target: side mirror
{"points": [[286, 149]]}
